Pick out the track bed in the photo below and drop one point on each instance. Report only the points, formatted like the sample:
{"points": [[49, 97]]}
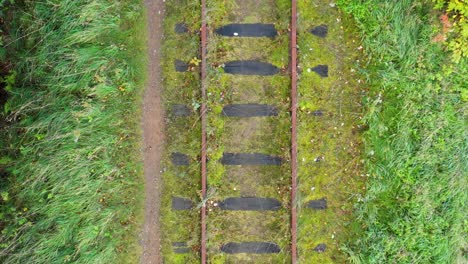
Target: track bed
{"points": [[239, 151]]}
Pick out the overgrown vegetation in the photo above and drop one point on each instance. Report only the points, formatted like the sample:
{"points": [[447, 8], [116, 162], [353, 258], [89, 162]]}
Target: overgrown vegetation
{"points": [[72, 188], [329, 143], [184, 88], [336, 96], [269, 135], [454, 27], [416, 144], [182, 133], [70, 179]]}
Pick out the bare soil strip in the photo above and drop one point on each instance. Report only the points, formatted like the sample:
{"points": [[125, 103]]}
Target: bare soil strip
{"points": [[153, 114]]}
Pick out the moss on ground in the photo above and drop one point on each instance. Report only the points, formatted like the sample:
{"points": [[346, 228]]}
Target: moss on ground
{"points": [[333, 136], [182, 133], [268, 135], [328, 145]]}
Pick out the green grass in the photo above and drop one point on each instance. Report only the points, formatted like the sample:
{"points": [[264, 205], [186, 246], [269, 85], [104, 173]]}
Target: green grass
{"points": [[416, 144], [334, 137], [72, 191], [71, 185], [268, 135], [223, 89], [339, 184], [182, 133]]}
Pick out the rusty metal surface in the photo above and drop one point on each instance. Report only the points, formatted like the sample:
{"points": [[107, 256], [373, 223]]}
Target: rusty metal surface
{"points": [[204, 37], [293, 66]]}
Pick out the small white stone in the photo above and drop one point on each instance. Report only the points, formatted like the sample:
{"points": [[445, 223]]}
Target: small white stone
{"points": [[309, 70], [312, 189], [236, 34]]}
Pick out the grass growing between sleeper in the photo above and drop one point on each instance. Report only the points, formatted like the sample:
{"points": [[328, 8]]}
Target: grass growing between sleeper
{"points": [[414, 210], [269, 135], [73, 186], [328, 132], [183, 133]]}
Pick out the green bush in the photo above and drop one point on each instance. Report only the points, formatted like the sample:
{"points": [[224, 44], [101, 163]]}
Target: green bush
{"points": [[457, 11]]}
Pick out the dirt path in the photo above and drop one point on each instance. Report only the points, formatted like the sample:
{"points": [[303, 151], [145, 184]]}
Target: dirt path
{"points": [[152, 125]]}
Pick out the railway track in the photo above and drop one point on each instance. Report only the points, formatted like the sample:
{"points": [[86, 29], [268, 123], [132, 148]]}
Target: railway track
{"points": [[246, 126]]}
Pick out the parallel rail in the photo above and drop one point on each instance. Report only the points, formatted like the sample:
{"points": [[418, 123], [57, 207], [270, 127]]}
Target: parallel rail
{"points": [[203, 109], [293, 65], [203, 113]]}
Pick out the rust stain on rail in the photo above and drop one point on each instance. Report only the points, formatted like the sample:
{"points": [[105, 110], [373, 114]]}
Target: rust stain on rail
{"points": [[203, 113], [293, 66]]}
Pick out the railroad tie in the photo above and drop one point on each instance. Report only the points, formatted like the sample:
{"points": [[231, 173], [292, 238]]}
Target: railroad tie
{"points": [[321, 70], [320, 204], [180, 159], [250, 204], [181, 66], [249, 110], [320, 248], [250, 248], [248, 30], [181, 28], [180, 248], [320, 31], [317, 113], [250, 67], [181, 110], [181, 204], [250, 159]]}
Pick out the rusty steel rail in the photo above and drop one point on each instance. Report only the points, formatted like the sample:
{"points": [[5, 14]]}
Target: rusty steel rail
{"points": [[293, 65], [203, 113]]}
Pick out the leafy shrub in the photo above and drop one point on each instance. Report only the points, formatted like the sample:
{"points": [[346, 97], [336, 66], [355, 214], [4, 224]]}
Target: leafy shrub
{"points": [[456, 12]]}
